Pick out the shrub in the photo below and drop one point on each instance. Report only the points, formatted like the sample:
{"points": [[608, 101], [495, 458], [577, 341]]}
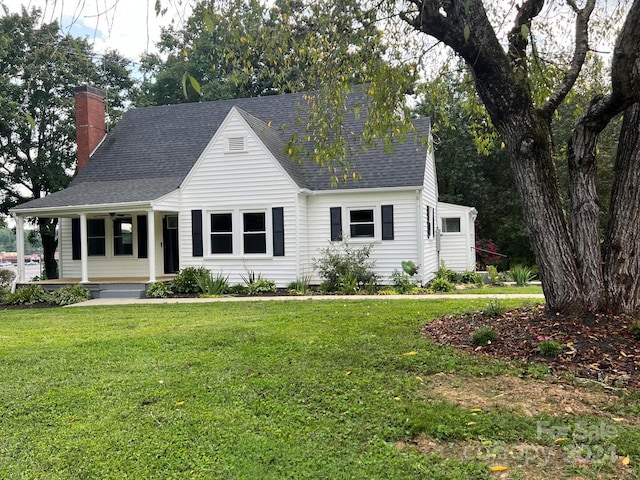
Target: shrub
{"points": [[6, 277], [261, 286], [402, 283], [237, 289], [494, 277], [210, 285], [70, 294], [250, 277], [300, 286], [441, 285], [187, 279], [28, 295], [484, 336], [549, 347], [446, 274], [470, 277], [158, 290], [521, 275], [494, 308], [346, 269]]}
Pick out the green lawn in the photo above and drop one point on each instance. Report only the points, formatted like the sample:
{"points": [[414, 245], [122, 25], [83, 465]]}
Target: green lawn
{"points": [[312, 389]]}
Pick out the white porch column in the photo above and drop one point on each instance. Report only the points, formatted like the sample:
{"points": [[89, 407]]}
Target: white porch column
{"points": [[84, 248], [19, 247], [151, 244]]}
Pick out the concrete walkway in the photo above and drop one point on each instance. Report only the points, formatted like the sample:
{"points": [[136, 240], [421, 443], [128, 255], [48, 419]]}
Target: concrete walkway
{"points": [[162, 301]]}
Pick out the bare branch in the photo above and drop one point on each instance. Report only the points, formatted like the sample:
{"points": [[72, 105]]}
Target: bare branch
{"points": [[579, 56]]}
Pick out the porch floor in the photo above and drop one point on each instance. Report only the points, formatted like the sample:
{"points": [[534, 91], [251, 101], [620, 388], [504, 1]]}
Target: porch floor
{"points": [[104, 281]]}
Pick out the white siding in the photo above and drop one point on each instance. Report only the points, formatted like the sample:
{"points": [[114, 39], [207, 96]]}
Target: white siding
{"points": [[102, 267], [457, 250], [429, 198], [250, 180], [387, 254]]}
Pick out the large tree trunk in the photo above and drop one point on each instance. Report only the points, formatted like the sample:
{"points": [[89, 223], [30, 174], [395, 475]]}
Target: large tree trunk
{"points": [[528, 142], [47, 227], [622, 244]]}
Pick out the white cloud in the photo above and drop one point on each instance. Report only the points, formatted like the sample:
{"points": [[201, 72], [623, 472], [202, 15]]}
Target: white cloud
{"points": [[129, 26]]}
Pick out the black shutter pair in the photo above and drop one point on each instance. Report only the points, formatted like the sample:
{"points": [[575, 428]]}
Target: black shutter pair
{"points": [[197, 238], [387, 223]]}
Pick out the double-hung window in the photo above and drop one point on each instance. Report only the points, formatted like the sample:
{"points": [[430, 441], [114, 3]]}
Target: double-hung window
{"points": [[96, 246], [123, 236], [254, 228], [361, 223], [221, 233]]}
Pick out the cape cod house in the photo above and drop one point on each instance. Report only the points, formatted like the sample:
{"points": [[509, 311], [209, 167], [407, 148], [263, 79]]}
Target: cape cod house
{"points": [[210, 184]]}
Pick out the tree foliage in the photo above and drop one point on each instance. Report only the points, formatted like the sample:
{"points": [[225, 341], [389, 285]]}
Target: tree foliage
{"points": [[246, 48], [39, 67]]}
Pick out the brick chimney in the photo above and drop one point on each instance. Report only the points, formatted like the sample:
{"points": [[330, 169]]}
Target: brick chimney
{"points": [[90, 121]]}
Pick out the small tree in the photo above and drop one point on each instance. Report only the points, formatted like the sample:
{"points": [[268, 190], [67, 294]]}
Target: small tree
{"points": [[346, 268]]}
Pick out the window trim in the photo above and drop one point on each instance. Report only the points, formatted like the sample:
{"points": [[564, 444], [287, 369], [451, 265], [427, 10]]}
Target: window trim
{"points": [[221, 233], [376, 222], [450, 232], [264, 232], [120, 220], [102, 237], [237, 225]]}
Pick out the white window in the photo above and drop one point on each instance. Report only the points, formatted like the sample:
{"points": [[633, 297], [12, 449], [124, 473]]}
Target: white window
{"points": [[362, 223], [451, 225], [221, 233], [254, 228]]}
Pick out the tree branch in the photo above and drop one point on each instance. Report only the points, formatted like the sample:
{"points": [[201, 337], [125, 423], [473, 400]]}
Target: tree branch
{"points": [[579, 56], [518, 38]]}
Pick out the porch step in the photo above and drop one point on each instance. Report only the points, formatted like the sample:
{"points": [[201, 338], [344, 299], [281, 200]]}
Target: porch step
{"points": [[118, 290]]}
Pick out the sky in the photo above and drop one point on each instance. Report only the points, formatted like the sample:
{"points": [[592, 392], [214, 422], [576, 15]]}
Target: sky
{"points": [[129, 26]]}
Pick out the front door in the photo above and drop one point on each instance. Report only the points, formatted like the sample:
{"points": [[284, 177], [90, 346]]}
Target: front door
{"points": [[170, 244]]}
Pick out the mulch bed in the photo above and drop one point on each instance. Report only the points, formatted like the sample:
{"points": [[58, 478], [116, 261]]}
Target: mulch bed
{"points": [[598, 348]]}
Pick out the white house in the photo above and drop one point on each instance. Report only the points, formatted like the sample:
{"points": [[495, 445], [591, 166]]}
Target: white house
{"points": [[210, 184]]}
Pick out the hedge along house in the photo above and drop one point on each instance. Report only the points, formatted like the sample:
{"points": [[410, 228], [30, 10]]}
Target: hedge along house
{"points": [[210, 184]]}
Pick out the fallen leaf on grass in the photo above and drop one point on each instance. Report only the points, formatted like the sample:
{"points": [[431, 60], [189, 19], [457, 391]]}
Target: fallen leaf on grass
{"points": [[626, 460], [498, 468], [179, 404], [412, 352]]}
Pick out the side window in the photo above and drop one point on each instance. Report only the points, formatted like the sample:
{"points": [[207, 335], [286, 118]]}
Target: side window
{"points": [[254, 232], [123, 236], [361, 223], [96, 245], [221, 233], [451, 225]]}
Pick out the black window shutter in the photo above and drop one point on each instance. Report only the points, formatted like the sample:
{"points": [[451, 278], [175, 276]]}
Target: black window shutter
{"points": [[143, 236], [277, 215], [428, 221], [387, 222], [196, 233], [336, 224], [75, 238]]}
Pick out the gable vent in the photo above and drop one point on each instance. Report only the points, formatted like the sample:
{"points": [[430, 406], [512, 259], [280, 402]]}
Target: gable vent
{"points": [[235, 144]]}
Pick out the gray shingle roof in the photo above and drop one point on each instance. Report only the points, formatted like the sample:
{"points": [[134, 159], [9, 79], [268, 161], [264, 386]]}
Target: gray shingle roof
{"points": [[151, 150]]}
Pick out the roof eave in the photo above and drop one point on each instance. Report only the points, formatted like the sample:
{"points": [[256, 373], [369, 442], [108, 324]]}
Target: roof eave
{"points": [[73, 210]]}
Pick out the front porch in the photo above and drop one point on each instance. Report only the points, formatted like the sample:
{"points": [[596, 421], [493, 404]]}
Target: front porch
{"points": [[123, 287]]}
